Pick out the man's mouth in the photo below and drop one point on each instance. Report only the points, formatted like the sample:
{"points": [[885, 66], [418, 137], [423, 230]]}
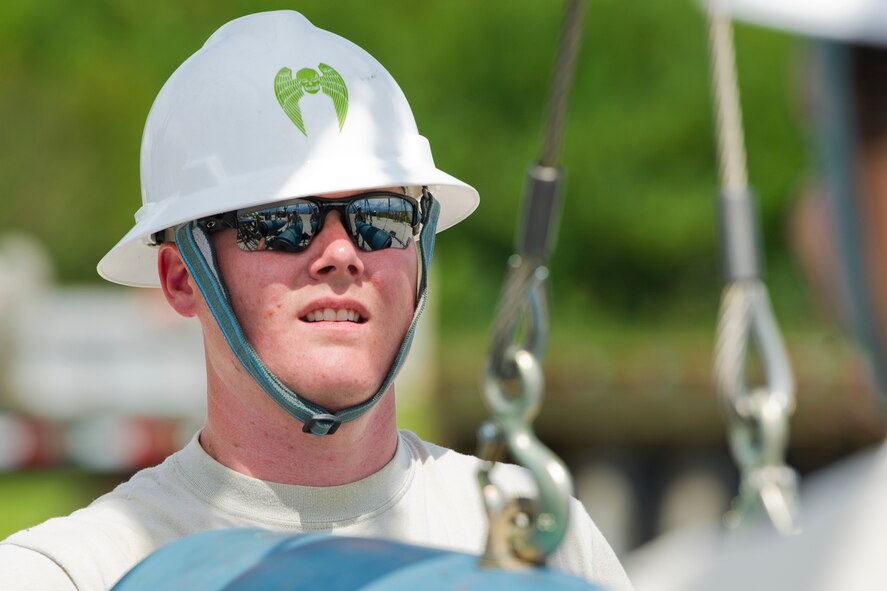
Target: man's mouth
{"points": [[330, 315]]}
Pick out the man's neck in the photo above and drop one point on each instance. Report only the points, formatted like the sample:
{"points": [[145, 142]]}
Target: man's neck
{"points": [[253, 436]]}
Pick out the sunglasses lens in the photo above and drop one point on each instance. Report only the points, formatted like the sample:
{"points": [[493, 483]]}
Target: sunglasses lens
{"points": [[289, 227], [381, 222], [375, 222]]}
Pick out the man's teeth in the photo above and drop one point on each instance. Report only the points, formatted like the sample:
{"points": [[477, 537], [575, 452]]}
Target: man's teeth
{"points": [[330, 315]]}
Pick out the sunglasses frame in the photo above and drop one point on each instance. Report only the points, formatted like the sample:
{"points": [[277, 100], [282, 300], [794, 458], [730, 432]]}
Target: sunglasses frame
{"points": [[231, 219]]}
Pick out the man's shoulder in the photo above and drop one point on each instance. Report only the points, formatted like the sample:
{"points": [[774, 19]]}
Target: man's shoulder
{"points": [[97, 543], [93, 546], [425, 451], [25, 570], [113, 505], [435, 457]]}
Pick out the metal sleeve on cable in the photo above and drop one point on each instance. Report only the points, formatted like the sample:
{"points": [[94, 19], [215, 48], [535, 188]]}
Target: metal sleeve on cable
{"points": [[541, 212], [740, 236]]}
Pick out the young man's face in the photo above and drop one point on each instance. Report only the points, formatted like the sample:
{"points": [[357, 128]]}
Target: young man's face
{"points": [[278, 298]]}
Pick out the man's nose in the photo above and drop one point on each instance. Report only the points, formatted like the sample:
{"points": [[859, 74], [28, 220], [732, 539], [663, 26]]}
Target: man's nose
{"points": [[337, 253]]}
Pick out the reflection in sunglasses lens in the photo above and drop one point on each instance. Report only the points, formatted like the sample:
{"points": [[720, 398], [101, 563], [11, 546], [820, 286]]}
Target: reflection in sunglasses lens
{"points": [[373, 223]]}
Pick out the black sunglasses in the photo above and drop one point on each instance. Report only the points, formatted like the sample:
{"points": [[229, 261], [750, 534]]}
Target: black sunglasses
{"points": [[374, 220]]}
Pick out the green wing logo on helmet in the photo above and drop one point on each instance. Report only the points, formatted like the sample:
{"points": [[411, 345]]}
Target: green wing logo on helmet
{"points": [[289, 92]]}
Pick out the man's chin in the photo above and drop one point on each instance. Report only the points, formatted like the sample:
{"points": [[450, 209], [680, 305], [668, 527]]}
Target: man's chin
{"points": [[338, 396]]}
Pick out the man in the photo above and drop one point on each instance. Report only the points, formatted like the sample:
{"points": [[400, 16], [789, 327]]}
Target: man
{"points": [[276, 131], [839, 230]]}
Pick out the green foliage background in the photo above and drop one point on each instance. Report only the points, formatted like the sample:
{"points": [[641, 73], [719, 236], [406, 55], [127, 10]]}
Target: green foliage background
{"points": [[637, 243]]}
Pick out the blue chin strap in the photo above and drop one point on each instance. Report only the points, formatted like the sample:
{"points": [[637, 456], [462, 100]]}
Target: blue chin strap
{"points": [[199, 255], [837, 132]]}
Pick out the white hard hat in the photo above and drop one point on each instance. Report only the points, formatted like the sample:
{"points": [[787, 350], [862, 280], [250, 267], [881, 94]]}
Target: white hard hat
{"points": [[269, 109], [861, 21]]}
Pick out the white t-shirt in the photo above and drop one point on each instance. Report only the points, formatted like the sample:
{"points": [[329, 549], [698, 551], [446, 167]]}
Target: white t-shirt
{"points": [[426, 495]]}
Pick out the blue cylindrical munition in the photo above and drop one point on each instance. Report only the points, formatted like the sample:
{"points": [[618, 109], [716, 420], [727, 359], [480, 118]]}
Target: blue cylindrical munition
{"points": [[259, 560], [376, 238]]}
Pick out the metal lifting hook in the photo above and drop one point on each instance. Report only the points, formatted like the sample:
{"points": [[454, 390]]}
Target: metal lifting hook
{"points": [[757, 418], [523, 530]]}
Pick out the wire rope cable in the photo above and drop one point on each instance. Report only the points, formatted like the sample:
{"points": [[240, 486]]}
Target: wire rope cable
{"points": [[562, 84], [725, 90], [757, 418]]}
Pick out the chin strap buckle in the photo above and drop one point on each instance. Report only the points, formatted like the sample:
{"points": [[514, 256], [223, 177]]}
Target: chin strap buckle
{"points": [[334, 421]]}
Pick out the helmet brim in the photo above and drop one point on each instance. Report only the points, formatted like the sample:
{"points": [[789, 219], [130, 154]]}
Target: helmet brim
{"points": [[133, 260]]}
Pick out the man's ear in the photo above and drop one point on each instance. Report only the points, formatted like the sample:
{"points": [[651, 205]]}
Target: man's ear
{"points": [[175, 280]]}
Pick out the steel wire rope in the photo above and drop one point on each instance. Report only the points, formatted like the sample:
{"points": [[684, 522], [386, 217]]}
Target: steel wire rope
{"points": [[562, 83], [757, 419]]}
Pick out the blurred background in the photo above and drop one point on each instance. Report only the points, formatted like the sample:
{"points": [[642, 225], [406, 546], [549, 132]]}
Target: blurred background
{"points": [[99, 381]]}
